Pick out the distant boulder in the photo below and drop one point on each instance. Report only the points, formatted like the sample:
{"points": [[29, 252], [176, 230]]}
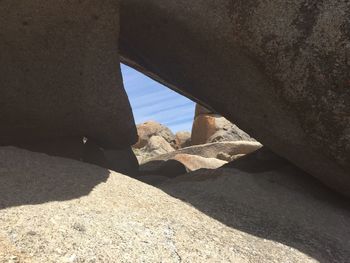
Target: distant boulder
{"points": [[208, 156], [210, 127], [194, 162], [155, 146], [183, 139], [203, 128], [180, 164], [211, 150], [152, 128], [227, 131]]}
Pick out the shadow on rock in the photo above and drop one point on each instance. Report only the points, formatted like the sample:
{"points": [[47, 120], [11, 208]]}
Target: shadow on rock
{"points": [[24, 180], [275, 201], [266, 196]]}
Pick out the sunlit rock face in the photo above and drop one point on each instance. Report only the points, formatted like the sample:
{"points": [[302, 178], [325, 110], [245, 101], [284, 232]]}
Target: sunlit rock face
{"points": [[210, 127], [60, 210], [59, 73], [280, 70], [151, 128]]}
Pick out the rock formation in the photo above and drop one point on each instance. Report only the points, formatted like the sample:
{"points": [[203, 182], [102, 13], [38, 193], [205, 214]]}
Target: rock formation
{"points": [[207, 156], [211, 150], [153, 139], [152, 128], [59, 75], [278, 69], [210, 127], [183, 139], [189, 161], [158, 145], [158, 157], [60, 210]]}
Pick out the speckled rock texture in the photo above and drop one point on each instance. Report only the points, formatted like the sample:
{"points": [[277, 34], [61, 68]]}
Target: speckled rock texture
{"points": [[59, 73], [203, 127], [210, 127], [59, 210], [151, 128], [179, 164], [278, 69], [183, 139], [157, 145], [211, 150], [195, 157]]}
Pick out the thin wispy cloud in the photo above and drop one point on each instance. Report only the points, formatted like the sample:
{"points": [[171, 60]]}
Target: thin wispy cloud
{"points": [[153, 101]]}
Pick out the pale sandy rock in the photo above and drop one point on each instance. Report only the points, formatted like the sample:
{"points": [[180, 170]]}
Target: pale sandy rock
{"points": [[183, 139], [228, 157], [158, 145], [202, 129], [149, 129], [210, 150], [210, 127], [59, 210], [166, 163], [194, 162], [140, 155], [227, 131], [179, 164], [223, 156]]}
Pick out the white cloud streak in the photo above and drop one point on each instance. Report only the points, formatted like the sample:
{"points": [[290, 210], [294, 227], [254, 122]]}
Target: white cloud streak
{"points": [[153, 101]]}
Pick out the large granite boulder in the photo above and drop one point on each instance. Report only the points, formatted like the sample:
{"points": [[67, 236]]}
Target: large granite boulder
{"points": [[209, 156], [183, 139], [280, 70], [210, 127], [151, 128], [60, 210], [180, 164], [203, 128], [158, 145], [155, 146], [211, 150], [59, 74]]}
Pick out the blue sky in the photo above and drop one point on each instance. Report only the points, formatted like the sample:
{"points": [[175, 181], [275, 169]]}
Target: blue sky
{"points": [[153, 101]]}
